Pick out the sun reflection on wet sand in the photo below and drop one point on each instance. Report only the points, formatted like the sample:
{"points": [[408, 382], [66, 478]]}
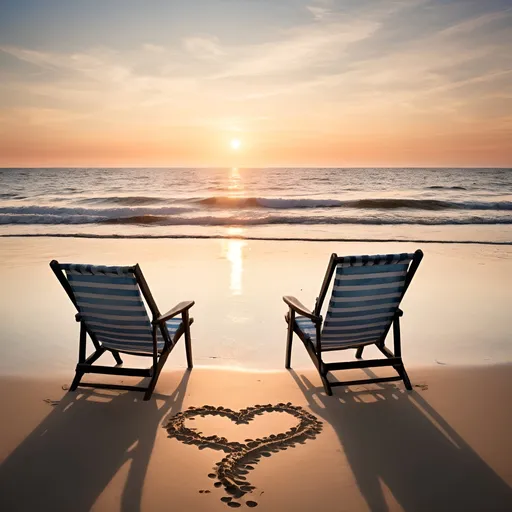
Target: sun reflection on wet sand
{"points": [[234, 254]]}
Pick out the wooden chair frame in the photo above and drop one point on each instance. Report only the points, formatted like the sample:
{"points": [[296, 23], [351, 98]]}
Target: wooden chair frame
{"points": [[86, 364], [393, 359]]}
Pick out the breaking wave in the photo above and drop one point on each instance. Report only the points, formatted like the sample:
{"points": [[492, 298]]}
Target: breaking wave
{"points": [[254, 211], [166, 220], [124, 200], [367, 204]]}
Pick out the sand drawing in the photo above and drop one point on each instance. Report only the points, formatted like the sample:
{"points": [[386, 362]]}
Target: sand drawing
{"points": [[230, 472]]}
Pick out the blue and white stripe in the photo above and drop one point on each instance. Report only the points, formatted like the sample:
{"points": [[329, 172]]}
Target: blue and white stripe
{"points": [[365, 296], [101, 270], [110, 303], [375, 260]]}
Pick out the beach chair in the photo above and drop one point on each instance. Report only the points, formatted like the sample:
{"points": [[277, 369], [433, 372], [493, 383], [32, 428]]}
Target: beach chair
{"points": [[110, 306], [365, 296]]}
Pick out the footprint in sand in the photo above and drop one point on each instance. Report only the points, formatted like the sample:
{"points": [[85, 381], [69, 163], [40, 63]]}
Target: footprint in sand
{"points": [[51, 402]]}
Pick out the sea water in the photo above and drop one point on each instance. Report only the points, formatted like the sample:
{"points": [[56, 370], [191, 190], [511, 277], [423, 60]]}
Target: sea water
{"points": [[451, 205]]}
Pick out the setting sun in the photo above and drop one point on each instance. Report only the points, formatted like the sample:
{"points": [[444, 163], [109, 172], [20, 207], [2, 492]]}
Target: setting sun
{"points": [[235, 144]]}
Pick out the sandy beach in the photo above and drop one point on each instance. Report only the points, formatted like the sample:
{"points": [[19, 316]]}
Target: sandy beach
{"points": [[206, 184], [443, 446]]}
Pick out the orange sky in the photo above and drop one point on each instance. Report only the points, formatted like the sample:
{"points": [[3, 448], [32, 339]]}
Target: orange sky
{"points": [[412, 83]]}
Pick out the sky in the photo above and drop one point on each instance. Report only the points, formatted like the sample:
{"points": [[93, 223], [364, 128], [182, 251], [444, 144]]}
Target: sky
{"points": [[327, 83]]}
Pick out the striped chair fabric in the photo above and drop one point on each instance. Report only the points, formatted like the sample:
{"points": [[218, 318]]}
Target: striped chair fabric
{"points": [[366, 293], [110, 303]]}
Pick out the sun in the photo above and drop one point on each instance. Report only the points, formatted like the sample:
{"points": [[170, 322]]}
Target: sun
{"points": [[235, 144]]}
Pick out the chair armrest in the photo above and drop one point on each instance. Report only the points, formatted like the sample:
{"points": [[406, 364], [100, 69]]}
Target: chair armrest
{"points": [[176, 310], [399, 312], [298, 307]]}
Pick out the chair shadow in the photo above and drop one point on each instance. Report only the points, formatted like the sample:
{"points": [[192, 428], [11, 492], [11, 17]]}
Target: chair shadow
{"points": [[70, 458], [395, 438]]}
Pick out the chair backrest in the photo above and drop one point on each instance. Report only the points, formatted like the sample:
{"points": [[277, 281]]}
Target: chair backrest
{"points": [[366, 293], [110, 303]]}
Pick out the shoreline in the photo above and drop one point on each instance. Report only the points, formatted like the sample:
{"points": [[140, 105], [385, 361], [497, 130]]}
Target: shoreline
{"points": [[250, 238]]}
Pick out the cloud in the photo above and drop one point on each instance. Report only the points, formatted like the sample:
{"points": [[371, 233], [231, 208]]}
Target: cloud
{"points": [[96, 64], [153, 48], [319, 13], [98, 82], [203, 47], [298, 49], [474, 23]]}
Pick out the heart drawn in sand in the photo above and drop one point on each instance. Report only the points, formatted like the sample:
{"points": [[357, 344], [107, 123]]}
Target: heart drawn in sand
{"points": [[229, 472]]}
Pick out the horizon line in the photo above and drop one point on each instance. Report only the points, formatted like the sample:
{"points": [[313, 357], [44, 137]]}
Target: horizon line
{"points": [[216, 167]]}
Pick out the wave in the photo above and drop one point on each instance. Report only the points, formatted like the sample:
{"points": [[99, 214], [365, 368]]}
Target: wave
{"points": [[164, 220], [367, 204], [64, 211], [124, 200], [441, 187], [141, 205], [11, 195], [296, 220], [226, 202]]}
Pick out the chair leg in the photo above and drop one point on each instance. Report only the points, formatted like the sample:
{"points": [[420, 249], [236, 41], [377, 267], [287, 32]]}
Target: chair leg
{"points": [[156, 373], [359, 352], [398, 352], [151, 387], [289, 339], [188, 341], [76, 381], [117, 357], [326, 384], [81, 356], [405, 377]]}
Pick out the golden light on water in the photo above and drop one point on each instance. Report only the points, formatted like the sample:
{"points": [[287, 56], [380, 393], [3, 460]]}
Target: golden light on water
{"points": [[235, 185]]}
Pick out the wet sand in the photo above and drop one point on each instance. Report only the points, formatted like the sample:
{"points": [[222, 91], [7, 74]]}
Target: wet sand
{"points": [[456, 310], [269, 439]]}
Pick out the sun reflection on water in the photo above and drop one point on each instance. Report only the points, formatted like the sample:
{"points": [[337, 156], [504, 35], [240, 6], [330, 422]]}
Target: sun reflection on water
{"points": [[235, 185]]}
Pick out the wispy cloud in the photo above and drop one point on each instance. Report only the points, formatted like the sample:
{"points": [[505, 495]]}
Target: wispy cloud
{"points": [[298, 49], [203, 47], [318, 12], [470, 25], [154, 48]]}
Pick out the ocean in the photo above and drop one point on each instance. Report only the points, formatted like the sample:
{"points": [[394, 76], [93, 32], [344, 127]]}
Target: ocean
{"points": [[336, 204]]}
